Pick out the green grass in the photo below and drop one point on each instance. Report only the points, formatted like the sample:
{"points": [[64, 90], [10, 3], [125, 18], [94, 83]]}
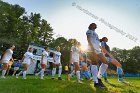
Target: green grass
{"points": [[35, 85]]}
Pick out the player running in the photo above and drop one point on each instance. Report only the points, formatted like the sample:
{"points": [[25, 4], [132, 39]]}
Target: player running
{"points": [[74, 59], [57, 63], [106, 49], [5, 59], [26, 61], [95, 54], [44, 60]]}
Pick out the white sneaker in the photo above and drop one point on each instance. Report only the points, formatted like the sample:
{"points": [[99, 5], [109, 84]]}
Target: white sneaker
{"points": [[42, 78], [3, 77], [13, 75], [36, 74], [24, 78], [123, 81], [17, 75], [79, 81]]}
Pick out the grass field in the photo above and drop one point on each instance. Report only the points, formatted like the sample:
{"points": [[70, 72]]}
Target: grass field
{"points": [[35, 85]]}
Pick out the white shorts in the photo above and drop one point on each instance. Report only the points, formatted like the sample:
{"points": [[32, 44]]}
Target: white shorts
{"points": [[75, 59], [16, 68], [4, 61], [44, 63], [57, 63], [28, 63], [98, 51]]}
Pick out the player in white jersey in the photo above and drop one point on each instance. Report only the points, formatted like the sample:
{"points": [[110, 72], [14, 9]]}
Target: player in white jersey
{"points": [[95, 54], [44, 60], [5, 59], [57, 63], [74, 59], [26, 61]]}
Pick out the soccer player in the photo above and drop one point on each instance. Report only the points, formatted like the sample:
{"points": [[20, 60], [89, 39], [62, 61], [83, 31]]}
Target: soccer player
{"points": [[95, 54], [74, 59], [10, 63], [26, 61], [16, 67], [106, 49], [44, 60], [84, 67], [57, 63], [5, 59]]}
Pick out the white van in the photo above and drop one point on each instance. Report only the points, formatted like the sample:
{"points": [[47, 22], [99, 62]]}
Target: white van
{"points": [[37, 52]]}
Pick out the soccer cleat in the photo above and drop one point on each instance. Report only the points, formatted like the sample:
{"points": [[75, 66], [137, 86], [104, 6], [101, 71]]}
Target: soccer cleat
{"points": [[16, 75], [25, 78], [36, 74], [42, 78], [52, 78], [3, 77], [106, 81], [13, 75], [59, 78], [101, 83], [122, 81], [96, 85], [79, 81], [91, 79]]}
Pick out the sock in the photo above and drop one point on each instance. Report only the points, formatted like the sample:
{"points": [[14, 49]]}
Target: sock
{"points": [[20, 73], [81, 75], [71, 74], [59, 71], [102, 70], [38, 73], [24, 74], [42, 73], [105, 75], [3, 73], [94, 71], [120, 71], [78, 75], [87, 74], [53, 72]]}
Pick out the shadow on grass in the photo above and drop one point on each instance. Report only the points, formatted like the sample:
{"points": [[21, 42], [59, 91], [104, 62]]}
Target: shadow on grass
{"points": [[101, 90], [113, 85]]}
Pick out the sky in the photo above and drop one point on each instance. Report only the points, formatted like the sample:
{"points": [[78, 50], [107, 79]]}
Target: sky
{"points": [[70, 22]]}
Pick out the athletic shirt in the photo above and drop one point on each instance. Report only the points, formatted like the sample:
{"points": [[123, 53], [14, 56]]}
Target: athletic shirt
{"points": [[57, 56], [8, 55], [45, 54], [75, 52], [28, 56], [103, 44], [66, 68], [94, 40]]}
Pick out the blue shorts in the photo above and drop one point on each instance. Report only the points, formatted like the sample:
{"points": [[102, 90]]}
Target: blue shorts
{"points": [[83, 63], [0, 66], [109, 59]]}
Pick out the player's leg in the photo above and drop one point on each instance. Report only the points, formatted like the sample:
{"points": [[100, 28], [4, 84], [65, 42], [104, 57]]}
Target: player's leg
{"points": [[53, 70], [103, 67], [119, 69], [93, 68], [25, 70], [4, 68], [59, 71], [43, 66], [105, 77], [15, 70], [77, 69]]}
